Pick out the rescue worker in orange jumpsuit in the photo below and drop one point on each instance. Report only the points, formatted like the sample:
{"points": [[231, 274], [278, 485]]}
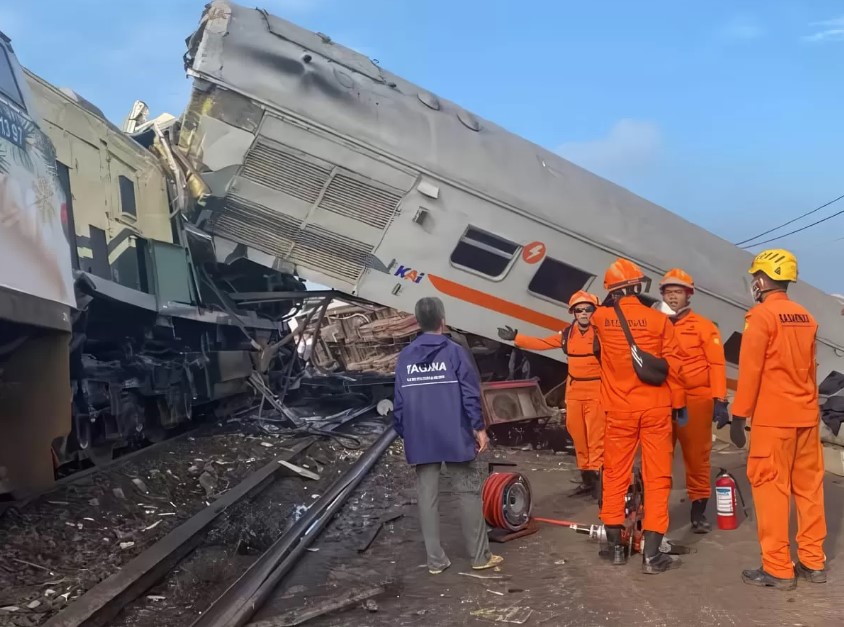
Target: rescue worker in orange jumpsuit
{"points": [[705, 384], [778, 392], [584, 416], [637, 412]]}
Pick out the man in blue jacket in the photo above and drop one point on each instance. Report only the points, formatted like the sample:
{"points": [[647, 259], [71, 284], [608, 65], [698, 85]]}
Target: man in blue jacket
{"points": [[437, 412]]}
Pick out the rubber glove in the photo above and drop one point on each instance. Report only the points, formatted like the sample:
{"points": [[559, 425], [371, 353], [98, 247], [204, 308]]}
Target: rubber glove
{"points": [[507, 333], [737, 428], [680, 416], [720, 415]]}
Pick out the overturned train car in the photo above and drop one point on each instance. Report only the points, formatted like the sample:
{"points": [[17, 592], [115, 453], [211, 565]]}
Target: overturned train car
{"points": [[319, 161]]}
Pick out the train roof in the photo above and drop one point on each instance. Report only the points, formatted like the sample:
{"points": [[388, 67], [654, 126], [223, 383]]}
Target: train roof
{"points": [[307, 74]]}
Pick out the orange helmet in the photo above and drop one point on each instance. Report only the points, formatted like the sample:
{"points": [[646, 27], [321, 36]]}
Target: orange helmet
{"points": [[676, 276], [622, 273], [581, 297]]}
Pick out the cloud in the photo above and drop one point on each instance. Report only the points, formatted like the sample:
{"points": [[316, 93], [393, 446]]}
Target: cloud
{"points": [[631, 147], [830, 30], [742, 28]]}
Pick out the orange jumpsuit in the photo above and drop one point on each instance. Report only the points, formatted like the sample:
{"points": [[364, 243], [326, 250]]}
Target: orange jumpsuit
{"points": [[584, 417], [778, 393], [704, 380], [637, 412]]}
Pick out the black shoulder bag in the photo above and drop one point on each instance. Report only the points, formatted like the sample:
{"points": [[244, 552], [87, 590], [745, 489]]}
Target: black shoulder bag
{"points": [[649, 368]]}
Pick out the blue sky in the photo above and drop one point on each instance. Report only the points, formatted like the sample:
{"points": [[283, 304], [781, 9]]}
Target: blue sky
{"points": [[725, 112]]}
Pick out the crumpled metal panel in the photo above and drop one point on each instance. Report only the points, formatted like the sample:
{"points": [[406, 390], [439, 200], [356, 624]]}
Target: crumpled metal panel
{"points": [[338, 256], [277, 234]]}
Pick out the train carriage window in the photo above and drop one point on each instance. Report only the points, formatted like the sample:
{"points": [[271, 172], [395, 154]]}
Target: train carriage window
{"points": [[484, 252], [557, 280], [127, 196]]}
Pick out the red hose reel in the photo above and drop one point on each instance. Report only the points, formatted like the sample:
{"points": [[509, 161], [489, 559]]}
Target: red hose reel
{"points": [[507, 501]]}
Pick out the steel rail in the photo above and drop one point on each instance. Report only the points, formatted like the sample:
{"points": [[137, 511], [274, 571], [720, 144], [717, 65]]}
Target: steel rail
{"points": [[236, 606], [102, 603]]}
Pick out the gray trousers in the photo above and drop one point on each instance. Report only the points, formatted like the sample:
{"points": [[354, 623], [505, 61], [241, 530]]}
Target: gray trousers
{"points": [[466, 481]]}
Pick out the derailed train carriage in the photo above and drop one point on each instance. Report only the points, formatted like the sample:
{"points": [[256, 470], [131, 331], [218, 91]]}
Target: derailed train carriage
{"points": [[318, 159]]}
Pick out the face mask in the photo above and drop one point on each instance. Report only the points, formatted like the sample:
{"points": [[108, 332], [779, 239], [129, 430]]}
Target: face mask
{"points": [[756, 291]]}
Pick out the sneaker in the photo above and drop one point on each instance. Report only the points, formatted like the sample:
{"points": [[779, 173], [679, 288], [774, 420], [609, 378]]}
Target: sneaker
{"points": [[437, 571], [494, 561]]}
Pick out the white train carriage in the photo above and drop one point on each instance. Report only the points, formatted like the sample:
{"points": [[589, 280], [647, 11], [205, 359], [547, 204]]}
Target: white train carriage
{"points": [[321, 161]]}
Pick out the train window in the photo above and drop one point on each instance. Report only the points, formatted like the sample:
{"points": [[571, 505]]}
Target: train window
{"points": [[127, 196], [557, 280], [484, 252], [732, 347], [8, 82]]}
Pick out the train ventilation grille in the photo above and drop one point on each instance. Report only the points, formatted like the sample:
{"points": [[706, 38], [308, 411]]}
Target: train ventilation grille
{"points": [[360, 201], [275, 233], [284, 172]]}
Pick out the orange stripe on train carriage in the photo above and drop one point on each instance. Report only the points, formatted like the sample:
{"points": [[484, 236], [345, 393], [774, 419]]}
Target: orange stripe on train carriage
{"points": [[493, 303]]}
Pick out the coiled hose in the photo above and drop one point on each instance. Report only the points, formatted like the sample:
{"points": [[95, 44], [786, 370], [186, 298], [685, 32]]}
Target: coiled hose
{"points": [[507, 501]]}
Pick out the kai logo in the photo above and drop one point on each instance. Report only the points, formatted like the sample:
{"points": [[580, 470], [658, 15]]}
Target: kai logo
{"points": [[409, 274], [436, 366]]}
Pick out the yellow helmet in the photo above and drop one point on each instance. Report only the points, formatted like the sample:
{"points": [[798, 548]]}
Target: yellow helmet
{"points": [[777, 263]]}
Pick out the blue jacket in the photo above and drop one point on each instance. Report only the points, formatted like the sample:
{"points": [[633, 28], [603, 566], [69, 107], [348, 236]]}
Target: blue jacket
{"points": [[437, 401]]}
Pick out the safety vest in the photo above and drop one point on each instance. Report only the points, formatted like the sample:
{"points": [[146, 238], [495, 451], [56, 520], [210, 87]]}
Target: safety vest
{"points": [[584, 360]]}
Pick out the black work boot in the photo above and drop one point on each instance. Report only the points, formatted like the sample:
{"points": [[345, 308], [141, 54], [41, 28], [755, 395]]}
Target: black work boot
{"points": [[614, 551], [699, 522], [812, 576], [587, 481], [760, 578], [597, 487], [655, 561]]}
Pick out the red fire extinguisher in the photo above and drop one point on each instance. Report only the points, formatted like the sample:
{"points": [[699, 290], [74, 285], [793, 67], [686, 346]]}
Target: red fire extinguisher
{"points": [[726, 490]]}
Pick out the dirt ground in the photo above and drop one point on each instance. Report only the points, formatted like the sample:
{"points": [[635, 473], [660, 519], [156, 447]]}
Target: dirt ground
{"points": [[554, 577]]}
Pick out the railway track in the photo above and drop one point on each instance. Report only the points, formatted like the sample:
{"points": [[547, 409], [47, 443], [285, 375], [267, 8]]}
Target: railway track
{"points": [[104, 602]]}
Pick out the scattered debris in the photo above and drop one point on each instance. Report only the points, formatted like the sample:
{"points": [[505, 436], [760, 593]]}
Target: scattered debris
{"points": [[332, 604], [376, 528], [475, 576], [141, 485], [303, 471], [513, 614]]}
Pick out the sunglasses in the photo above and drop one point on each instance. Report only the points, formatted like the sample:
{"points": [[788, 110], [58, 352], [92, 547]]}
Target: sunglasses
{"points": [[581, 310]]}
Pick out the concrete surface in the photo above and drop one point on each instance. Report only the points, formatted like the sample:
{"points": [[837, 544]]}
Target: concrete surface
{"points": [[558, 576]]}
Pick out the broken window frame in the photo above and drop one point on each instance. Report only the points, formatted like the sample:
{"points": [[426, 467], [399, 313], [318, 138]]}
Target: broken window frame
{"points": [[588, 278], [490, 249]]}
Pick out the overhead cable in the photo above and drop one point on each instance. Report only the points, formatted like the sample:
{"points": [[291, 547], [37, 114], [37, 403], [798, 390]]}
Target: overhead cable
{"points": [[808, 226], [792, 221]]}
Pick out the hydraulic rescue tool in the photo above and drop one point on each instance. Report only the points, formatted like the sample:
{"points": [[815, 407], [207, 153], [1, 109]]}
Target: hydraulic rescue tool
{"points": [[634, 510]]}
